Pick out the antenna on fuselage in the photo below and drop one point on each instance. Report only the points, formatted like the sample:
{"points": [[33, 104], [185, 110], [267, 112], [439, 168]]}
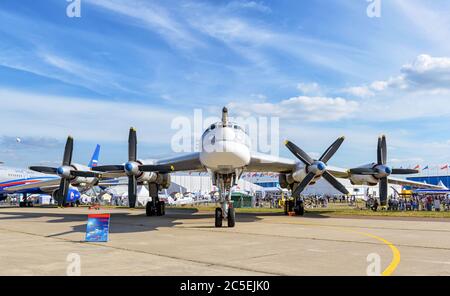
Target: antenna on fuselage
{"points": [[224, 115]]}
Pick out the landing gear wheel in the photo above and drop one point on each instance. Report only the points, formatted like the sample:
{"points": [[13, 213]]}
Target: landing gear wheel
{"points": [[218, 217], [300, 210], [161, 208], [231, 217], [30, 204], [149, 209], [22, 204]]}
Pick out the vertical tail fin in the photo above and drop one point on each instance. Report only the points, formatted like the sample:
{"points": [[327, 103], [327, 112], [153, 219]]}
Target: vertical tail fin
{"points": [[94, 160]]}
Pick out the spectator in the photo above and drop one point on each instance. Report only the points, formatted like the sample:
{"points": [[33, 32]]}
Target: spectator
{"points": [[437, 204]]}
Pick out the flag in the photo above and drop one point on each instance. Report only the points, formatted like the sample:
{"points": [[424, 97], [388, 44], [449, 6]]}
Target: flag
{"points": [[417, 167], [445, 167]]}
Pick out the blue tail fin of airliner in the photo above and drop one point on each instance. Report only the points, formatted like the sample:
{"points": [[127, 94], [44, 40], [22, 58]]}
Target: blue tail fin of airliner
{"points": [[94, 160]]}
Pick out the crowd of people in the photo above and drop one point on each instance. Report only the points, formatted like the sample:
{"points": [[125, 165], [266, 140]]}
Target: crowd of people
{"points": [[420, 203]]}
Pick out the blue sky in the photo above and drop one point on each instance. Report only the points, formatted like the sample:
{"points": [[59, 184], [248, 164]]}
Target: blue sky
{"points": [[323, 67]]}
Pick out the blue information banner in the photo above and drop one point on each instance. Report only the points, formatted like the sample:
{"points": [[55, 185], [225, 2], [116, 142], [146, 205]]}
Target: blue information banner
{"points": [[98, 228]]}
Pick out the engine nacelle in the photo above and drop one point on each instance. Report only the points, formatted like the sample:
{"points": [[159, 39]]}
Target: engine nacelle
{"points": [[299, 174], [164, 181], [363, 180], [79, 181], [148, 177], [282, 179]]}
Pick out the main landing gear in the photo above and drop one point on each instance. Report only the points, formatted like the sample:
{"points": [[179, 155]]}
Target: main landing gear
{"points": [[297, 206], [25, 203], [155, 210], [155, 207]]}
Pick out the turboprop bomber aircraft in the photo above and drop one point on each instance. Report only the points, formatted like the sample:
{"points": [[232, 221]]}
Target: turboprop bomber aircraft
{"points": [[226, 154]]}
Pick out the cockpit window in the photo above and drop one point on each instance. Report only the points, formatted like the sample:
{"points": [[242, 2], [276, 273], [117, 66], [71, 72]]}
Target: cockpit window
{"points": [[213, 127]]}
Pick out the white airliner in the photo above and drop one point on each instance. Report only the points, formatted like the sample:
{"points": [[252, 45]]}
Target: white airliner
{"points": [[63, 183], [226, 155]]}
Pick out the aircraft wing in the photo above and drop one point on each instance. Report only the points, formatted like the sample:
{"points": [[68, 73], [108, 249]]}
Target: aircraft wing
{"points": [[45, 186], [268, 163], [187, 162], [414, 184]]}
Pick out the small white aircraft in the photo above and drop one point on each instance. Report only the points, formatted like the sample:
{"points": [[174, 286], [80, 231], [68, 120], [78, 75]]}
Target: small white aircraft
{"points": [[226, 155]]}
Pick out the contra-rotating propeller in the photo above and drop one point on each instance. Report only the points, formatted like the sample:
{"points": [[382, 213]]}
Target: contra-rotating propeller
{"points": [[381, 171], [66, 171], [133, 168], [317, 168]]}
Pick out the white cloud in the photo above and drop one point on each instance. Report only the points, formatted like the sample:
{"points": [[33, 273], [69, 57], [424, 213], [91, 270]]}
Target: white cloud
{"points": [[302, 108], [425, 73], [258, 6], [153, 17], [359, 91], [312, 88]]}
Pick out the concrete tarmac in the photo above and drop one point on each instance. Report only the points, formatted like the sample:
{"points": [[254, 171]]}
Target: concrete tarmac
{"points": [[38, 241]]}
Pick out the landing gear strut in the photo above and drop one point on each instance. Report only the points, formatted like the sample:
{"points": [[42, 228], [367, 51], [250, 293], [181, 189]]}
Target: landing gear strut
{"points": [[299, 208], [25, 203], [155, 207]]}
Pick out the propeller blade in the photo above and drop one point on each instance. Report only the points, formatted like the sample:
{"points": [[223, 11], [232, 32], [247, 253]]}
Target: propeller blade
{"points": [[335, 183], [383, 191], [328, 154], [132, 145], [110, 168], [299, 153], [363, 171], [382, 150], [44, 169], [63, 191], [86, 174], [156, 168], [68, 150], [404, 172], [132, 191], [303, 184]]}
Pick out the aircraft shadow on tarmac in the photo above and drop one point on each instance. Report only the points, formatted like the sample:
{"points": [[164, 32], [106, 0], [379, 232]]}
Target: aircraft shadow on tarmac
{"points": [[129, 222]]}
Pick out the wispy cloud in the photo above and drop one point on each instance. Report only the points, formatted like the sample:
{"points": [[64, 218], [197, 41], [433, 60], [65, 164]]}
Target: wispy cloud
{"points": [[41, 115], [153, 17]]}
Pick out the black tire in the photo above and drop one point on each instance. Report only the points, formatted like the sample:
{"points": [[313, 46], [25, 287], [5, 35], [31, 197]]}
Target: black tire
{"points": [[162, 206], [149, 209], [30, 204], [22, 204], [231, 217], [218, 217], [301, 211]]}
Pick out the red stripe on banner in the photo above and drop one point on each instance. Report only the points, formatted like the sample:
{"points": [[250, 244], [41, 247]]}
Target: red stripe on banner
{"points": [[99, 215]]}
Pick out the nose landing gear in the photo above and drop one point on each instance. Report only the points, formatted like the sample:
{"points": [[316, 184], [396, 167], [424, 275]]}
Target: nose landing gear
{"points": [[230, 216]]}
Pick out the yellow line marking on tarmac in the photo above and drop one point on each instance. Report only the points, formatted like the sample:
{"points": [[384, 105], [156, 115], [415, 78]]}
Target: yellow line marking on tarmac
{"points": [[396, 257], [395, 253]]}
